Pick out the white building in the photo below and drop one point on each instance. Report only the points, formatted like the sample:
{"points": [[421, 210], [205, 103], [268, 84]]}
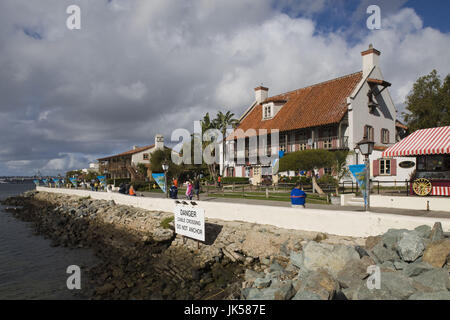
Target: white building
{"points": [[332, 115]]}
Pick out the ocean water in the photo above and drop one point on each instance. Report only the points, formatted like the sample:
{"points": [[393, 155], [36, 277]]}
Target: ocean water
{"points": [[29, 267]]}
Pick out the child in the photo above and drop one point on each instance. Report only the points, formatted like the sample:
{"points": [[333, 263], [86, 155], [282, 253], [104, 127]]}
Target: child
{"points": [[189, 190]]}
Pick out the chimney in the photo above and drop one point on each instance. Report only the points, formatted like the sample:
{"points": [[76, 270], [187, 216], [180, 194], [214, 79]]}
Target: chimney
{"points": [[159, 142], [135, 147], [371, 58], [261, 94]]}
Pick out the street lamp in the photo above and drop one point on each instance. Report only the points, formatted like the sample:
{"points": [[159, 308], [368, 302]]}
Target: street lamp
{"points": [[165, 167], [366, 148]]}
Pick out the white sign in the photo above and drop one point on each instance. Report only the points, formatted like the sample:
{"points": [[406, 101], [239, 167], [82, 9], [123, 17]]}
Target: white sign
{"points": [[190, 221]]}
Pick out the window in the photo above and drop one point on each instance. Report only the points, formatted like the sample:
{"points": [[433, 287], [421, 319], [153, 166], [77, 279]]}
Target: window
{"points": [[368, 133], [267, 111], [145, 156], [385, 136], [385, 167], [327, 171]]}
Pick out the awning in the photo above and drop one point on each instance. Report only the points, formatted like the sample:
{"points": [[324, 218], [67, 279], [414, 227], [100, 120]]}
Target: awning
{"points": [[422, 142]]}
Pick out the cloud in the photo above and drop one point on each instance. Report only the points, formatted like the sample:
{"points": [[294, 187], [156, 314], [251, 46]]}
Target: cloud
{"points": [[138, 68]]}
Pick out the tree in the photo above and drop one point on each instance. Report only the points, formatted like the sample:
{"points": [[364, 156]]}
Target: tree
{"points": [[307, 160], [339, 166], [157, 159], [222, 122], [428, 105]]}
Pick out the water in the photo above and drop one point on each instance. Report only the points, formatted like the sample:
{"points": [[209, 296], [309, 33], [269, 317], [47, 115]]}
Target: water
{"points": [[29, 267]]}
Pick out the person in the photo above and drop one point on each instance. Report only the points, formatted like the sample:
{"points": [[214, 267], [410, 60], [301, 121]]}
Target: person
{"points": [[173, 192], [122, 188], [197, 188], [189, 190], [298, 197], [131, 191], [92, 185], [175, 182], [96, 185], [219, 180]]}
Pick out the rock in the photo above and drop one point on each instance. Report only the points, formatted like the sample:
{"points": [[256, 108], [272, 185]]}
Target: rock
{"points": [[265, 261], [353, 272], [321, 283], [296, 259], [416, 268], [410, 246], [285, 292], [391, 237], [437, 233], [329, 257], [423, 231], [400, 265], [275, 266], [437, 253], [262, 283], [306, 295], [382, 254], [387, 266], [436, 279], [438, 295], [162, 235], [372, 241], [393, 286], [361, 251]]}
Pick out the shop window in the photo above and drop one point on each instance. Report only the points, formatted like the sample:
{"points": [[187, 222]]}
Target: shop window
{"points": [[385, 167]]}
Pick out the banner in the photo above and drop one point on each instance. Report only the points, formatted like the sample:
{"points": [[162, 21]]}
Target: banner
{"points": [[102, 180], [45, 182], [359, 172], [159, 178], [56, 181], [74, 181], [36, 182]]}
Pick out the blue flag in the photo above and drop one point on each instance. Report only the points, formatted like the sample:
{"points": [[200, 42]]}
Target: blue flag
{"points": [[36, 182], [102, 180], [159, 178], [359, 172], [74, 181]]}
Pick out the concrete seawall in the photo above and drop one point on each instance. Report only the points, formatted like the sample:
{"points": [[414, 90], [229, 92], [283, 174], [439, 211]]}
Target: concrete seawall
{"points": [[342, 223]]}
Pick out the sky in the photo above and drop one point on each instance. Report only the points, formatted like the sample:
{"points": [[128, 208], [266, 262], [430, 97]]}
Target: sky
{"points": [[139, 68]]}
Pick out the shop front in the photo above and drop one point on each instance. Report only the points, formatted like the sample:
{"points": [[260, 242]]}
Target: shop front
{"points": [[431, 150]]}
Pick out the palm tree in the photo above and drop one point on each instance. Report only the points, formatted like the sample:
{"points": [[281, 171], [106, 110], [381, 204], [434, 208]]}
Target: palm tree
{"points": [[222, 122]]}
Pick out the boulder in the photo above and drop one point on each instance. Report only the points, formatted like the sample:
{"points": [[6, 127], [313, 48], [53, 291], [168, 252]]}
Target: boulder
{"points": [[423, 231], [262, 283], [416, 268], [381, 254], [371, 241], [353, 272], [437, 233], [410, 246], [435, 279], [391, 237], [438, 295], [326, 256], [296, 258], [437, 253], [306, 295], [320, 283], [283, 292], [162, 235], [393, 286]]}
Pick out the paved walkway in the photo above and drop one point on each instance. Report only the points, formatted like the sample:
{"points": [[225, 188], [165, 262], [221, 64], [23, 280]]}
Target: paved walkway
{"points": [[418, 213]]}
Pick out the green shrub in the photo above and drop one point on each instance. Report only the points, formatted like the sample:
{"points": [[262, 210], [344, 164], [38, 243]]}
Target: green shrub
{"points": [[236, 180], [165, 223]]}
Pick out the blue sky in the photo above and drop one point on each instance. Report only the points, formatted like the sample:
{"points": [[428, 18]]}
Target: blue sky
{"points": [[138, 68]]}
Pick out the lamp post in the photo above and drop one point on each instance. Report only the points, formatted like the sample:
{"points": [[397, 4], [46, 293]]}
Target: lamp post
{"points": [[165, 167], [366, 148]]}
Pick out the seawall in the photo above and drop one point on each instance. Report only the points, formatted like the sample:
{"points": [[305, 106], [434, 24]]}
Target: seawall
{"points": [[340, 223]]}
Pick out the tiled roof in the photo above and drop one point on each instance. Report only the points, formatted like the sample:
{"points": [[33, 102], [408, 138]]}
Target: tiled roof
{"points": [[129, 152], [320, 104]]}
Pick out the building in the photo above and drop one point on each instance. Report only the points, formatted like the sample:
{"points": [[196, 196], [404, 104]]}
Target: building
{"points": [[125, 165], [332, 115]]}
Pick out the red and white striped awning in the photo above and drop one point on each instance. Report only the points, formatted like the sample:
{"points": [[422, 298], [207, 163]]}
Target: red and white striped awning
{"points": [[422, 142]]}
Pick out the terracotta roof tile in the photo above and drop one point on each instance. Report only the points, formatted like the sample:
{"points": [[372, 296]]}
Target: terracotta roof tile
{"points": [[320, 104], [129, 152]]}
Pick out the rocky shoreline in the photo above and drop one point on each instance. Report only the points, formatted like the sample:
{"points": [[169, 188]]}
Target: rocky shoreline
{"points": [[142, 258]]}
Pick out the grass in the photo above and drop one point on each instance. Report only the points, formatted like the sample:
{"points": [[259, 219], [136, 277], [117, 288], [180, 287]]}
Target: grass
{"points": [[310, 198], [166, 222]]}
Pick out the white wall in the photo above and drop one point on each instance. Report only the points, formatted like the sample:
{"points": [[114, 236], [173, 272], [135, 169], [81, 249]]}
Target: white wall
{"points": [[344, 223]]}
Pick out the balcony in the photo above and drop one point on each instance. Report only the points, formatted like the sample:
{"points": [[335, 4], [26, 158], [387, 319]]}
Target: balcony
{"points": [[327, 143]]}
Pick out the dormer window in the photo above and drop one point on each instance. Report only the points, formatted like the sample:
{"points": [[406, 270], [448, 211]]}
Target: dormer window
{"points": [[267, 111]]}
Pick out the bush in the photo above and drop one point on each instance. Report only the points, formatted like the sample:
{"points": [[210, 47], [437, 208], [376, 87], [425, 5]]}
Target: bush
{"points": [[236, 180]]}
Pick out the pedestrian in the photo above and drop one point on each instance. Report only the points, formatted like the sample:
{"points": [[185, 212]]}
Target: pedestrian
{"points": [[122, 188], [219, 180], [131, 191], [96, 185], [189, 190], [173, 192], [197, 188], [298, 197], [175, 182]]}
